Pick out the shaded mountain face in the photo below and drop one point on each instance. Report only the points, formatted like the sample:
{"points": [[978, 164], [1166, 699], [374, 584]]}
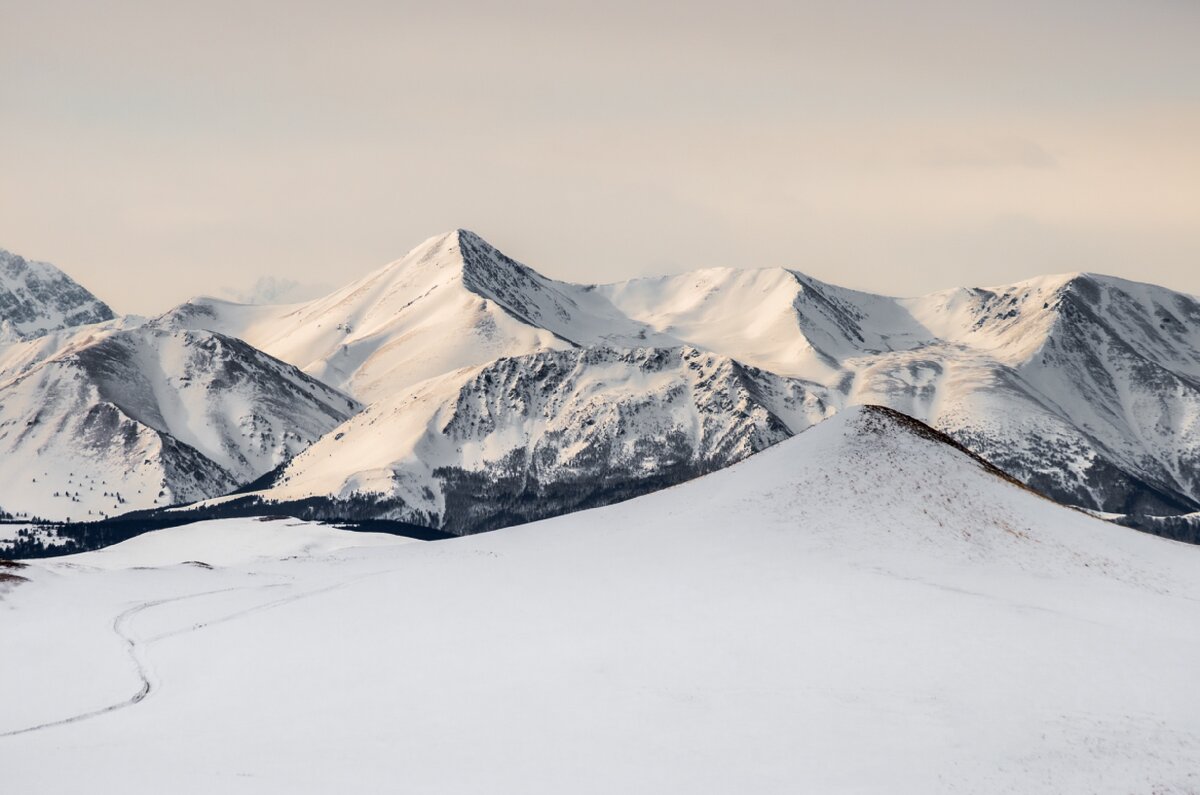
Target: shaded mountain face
{"points": [[36, 298], [143, 417], [496, 395], [528, 437]]}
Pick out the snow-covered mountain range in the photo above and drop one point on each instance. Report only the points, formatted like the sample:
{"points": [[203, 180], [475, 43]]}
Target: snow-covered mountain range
{"points": [[495, 395]]}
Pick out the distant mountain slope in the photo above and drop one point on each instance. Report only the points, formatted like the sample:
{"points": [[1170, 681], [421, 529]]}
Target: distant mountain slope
{"points": [[1083, 386], [145, 417], [528, 437], [773, 318], [36, 297]]}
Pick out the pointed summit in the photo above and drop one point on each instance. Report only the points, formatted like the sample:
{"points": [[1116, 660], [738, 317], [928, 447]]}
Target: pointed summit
{"points": [[459, 256], [467, 255], [461, 259]]}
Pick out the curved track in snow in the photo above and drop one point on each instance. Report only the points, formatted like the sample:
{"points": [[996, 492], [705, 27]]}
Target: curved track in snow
{"points": [[135, 647]]}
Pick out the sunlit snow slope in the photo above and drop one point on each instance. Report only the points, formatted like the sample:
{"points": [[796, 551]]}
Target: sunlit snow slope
{"points": [[863, 608], [454, 301]]}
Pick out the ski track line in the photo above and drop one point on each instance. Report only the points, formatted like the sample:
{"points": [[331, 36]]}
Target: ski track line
{"points": [[267, 606], [135, 649], [119, 625]]}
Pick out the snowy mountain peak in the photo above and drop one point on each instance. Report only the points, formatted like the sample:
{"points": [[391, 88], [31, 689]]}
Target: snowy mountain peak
{"points": [[36, 297], [459, 254], [1126, 318], [465, 259], [453, 301]]}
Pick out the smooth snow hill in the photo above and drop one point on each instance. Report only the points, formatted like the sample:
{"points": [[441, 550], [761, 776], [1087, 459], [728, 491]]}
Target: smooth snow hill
{"points": [[863, 608], [36, 298], [119, 420], [1085, 387]]}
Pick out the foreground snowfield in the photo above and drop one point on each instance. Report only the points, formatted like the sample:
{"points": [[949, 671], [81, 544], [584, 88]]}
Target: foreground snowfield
{"points": [[860, 609]]}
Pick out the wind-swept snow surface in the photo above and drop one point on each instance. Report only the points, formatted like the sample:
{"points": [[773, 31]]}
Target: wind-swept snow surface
{"points": [[863, 608]]}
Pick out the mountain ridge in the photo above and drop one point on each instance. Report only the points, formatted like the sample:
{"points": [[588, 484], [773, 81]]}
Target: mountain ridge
{"points": [[1028, 374], [1084, 387]]}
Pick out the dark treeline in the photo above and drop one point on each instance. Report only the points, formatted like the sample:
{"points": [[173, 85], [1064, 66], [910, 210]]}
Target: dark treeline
{"points": [[71, 537]]}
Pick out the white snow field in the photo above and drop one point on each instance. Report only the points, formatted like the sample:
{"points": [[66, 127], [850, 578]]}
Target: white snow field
{"points": [[862, 608]]}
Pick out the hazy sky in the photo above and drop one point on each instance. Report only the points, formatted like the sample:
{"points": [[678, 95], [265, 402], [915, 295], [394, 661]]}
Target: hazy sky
{"points": [[157, 150]]}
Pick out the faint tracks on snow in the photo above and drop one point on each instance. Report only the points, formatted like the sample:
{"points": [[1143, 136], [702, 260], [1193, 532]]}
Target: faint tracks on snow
{"points": [[265, 606], [135, 647]]}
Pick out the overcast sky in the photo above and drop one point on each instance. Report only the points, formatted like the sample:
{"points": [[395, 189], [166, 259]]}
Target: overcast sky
{"points": [[158, 150]]}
